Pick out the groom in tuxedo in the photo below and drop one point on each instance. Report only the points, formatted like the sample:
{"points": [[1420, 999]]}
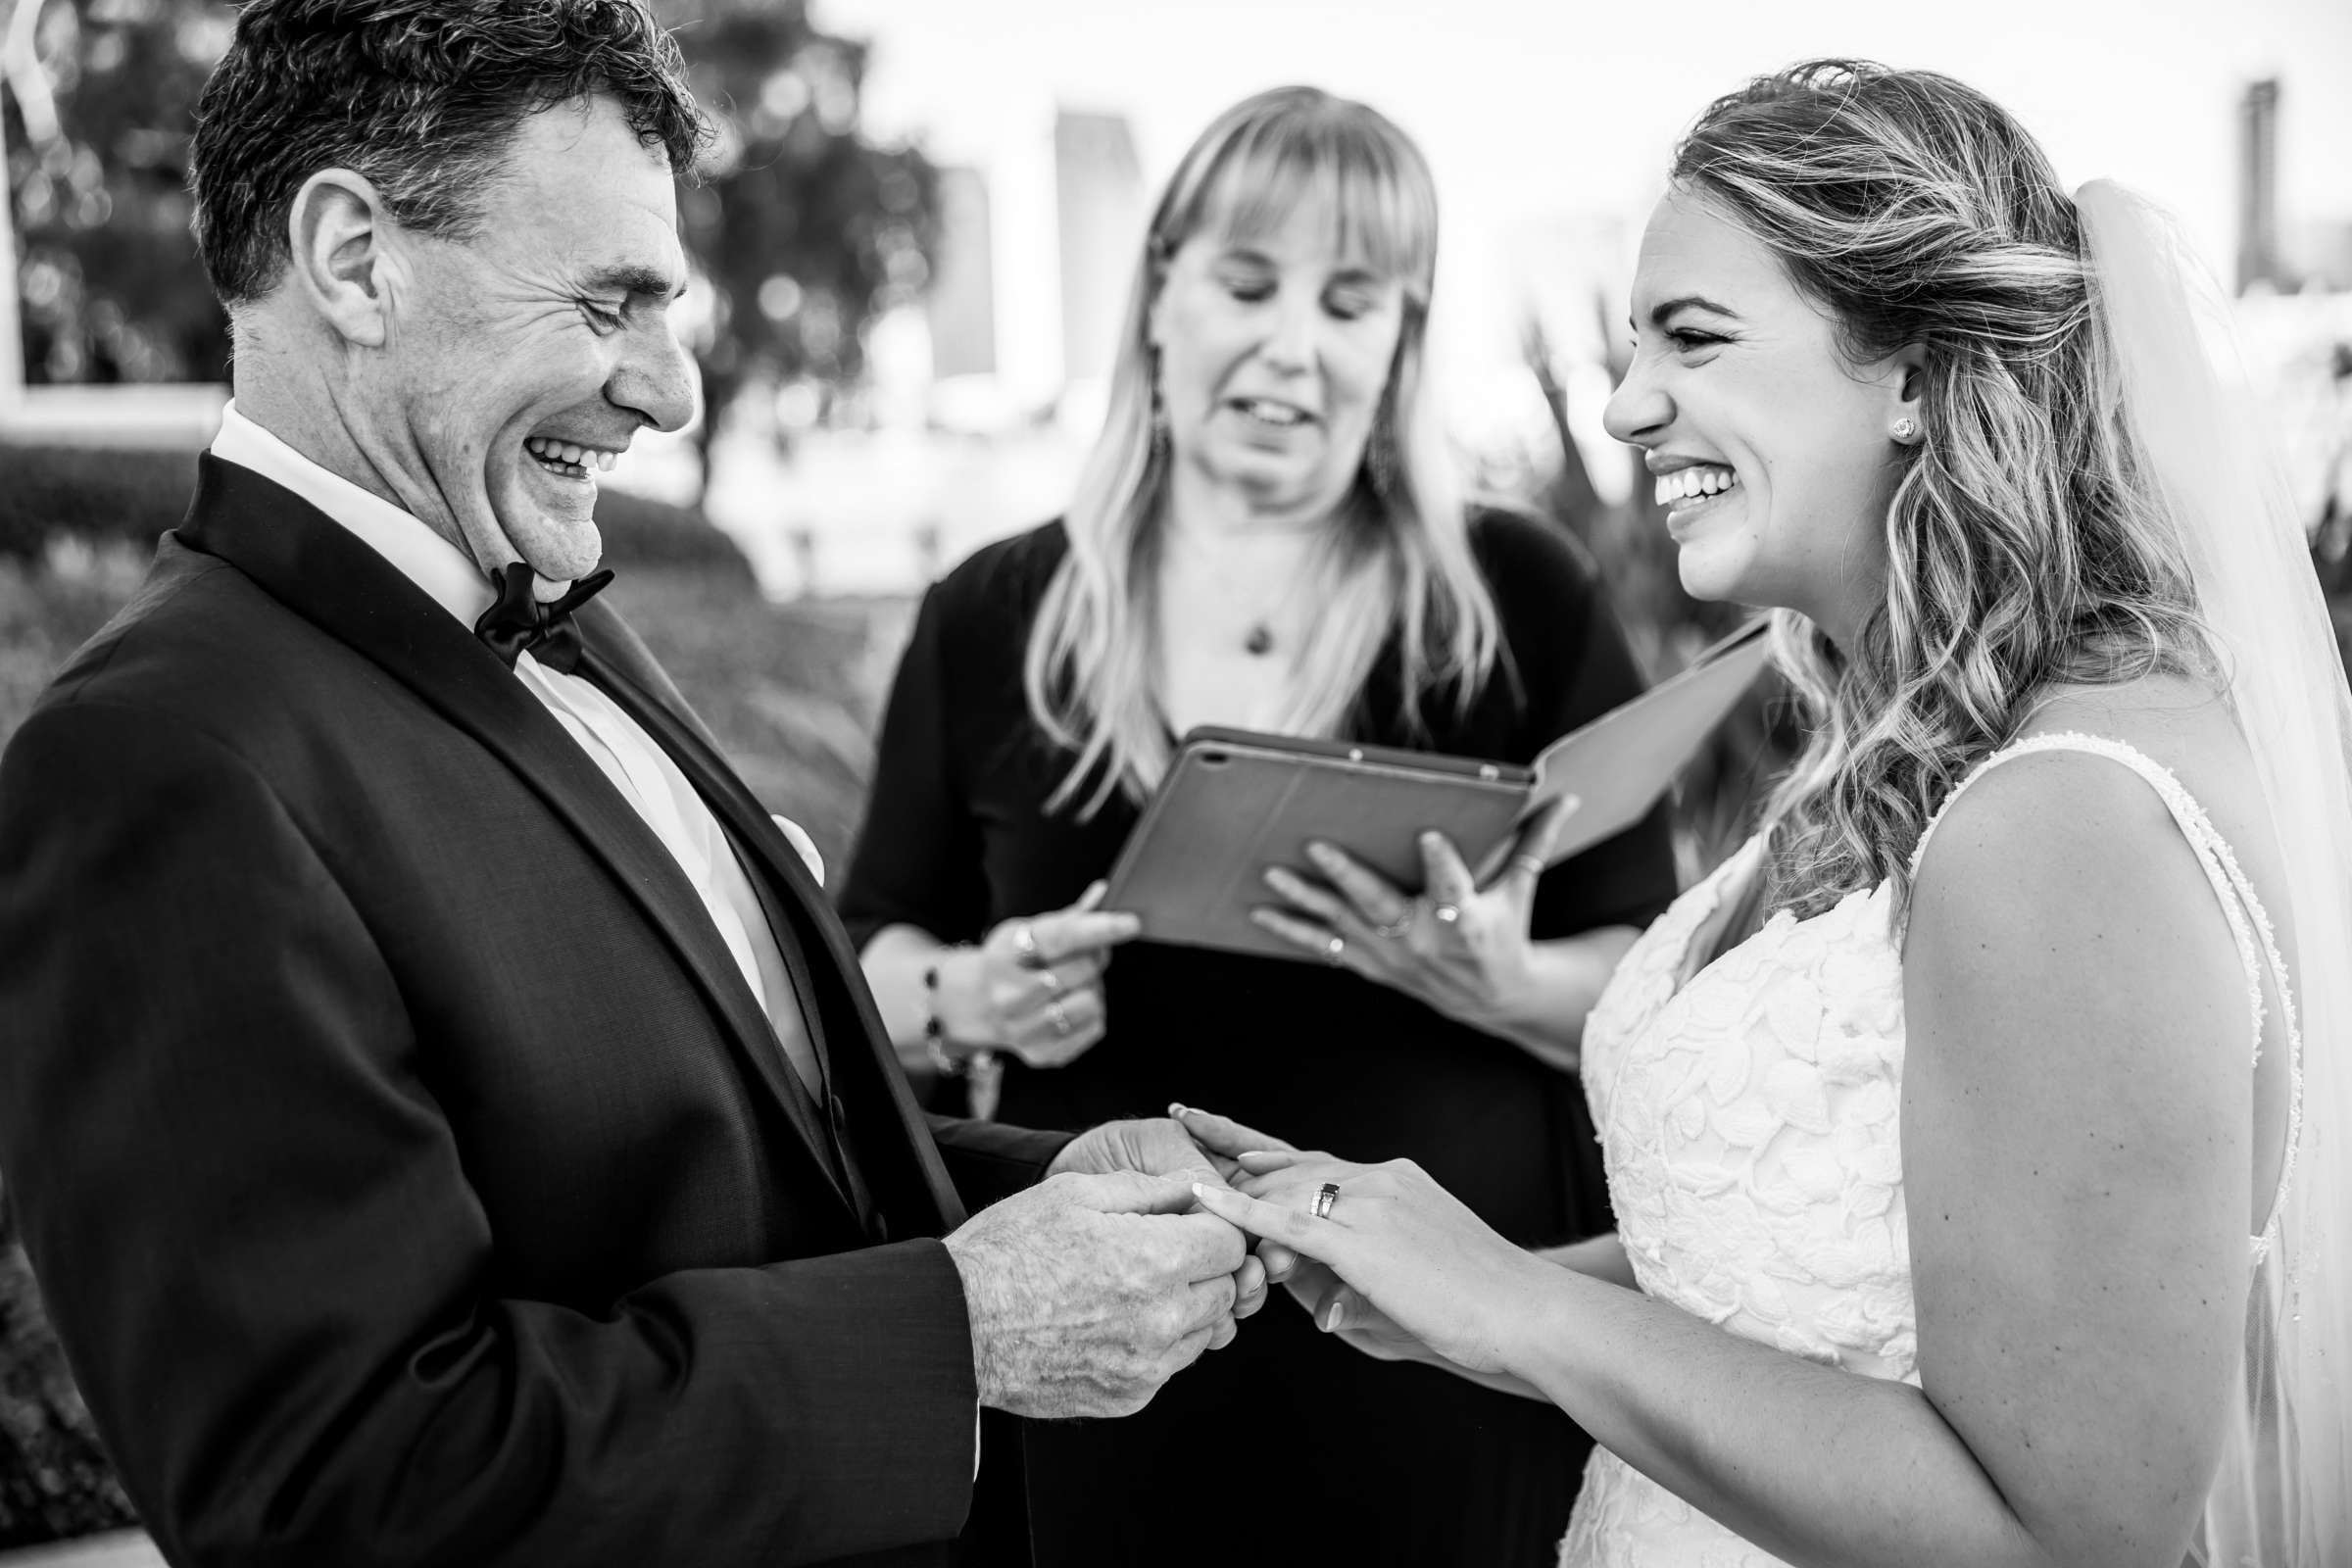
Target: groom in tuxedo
{"points": [[446, 1119]]}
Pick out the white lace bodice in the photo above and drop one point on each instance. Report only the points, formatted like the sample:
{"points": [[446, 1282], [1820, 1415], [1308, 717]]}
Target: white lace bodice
{"points": [[1750, 1117]]}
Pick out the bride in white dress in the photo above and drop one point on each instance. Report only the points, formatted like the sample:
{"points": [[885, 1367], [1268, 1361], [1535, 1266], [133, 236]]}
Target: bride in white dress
{"points": [[1975, 1131]]}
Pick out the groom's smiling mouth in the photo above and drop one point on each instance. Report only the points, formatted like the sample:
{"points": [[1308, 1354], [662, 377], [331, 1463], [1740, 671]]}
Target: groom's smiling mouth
{"points": [[571, 459]]}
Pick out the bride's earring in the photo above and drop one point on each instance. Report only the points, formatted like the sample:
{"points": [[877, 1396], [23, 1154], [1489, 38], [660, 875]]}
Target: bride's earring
{"points": [[1905, 430]]}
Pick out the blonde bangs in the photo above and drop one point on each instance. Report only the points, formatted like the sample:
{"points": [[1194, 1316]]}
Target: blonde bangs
{"points": [[1383, 217]]}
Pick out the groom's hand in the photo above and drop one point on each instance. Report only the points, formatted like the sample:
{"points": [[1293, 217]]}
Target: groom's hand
{"points": [[1087, 1292], [1224, 1140], [1162, 1146]]}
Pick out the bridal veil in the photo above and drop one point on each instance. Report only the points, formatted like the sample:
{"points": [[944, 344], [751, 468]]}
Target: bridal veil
{"points": [[2283, 1492]]}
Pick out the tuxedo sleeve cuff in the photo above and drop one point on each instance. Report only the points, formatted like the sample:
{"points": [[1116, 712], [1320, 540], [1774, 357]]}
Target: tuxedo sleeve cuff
{"points": [[891, 1424], [990, 1162]]}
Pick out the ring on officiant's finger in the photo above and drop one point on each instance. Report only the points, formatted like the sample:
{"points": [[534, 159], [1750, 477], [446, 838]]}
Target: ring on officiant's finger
{"points": [[1325, 1196], [1448, 914], [1335, 950], [1062, 1019], [1024, 945], [1398, 927]]}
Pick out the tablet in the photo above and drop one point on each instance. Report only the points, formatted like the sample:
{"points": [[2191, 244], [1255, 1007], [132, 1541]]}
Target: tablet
{"points": [[1237, 802]]}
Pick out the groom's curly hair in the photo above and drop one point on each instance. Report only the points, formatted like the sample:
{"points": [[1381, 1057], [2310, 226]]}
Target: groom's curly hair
{"points": [[421, 97]]}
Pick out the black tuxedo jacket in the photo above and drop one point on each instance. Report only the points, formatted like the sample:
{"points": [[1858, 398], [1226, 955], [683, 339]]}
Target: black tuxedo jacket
{"points": [[410, 1173]]}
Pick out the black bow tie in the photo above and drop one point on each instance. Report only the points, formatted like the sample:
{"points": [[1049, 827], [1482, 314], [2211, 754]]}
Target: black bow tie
{"points": [[519, 623]]}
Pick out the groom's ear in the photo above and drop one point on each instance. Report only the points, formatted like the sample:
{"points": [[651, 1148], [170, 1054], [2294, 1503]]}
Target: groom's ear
{"points": [[343, 259]]}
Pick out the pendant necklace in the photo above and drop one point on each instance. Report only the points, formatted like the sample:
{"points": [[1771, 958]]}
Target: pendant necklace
{"points": [[1258, 637], [1259, 641]]}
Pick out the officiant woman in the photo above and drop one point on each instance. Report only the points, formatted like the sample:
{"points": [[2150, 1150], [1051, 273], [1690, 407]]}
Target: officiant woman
{"points": [[1268, 536]]}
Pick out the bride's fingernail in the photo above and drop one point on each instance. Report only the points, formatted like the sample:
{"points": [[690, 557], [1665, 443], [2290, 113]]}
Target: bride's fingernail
{"points": [[1333, 1316], [1176, 1109]]}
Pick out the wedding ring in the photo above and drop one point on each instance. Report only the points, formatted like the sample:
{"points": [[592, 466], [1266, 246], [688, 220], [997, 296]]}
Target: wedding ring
{"points": [[1398, 927], [1448, 914], [1532, 864], [1050, 981], [1335, 952], [1024, 945], [1325, 1196], [1062, 1019]]}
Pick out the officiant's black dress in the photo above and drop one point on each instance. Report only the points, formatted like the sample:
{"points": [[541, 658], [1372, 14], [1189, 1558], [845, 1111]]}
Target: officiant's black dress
{"points": [[1380, 1464]]}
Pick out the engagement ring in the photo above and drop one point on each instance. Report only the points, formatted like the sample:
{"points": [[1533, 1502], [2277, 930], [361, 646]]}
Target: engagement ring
{"points": [[1335, 950], [1448, 914]]}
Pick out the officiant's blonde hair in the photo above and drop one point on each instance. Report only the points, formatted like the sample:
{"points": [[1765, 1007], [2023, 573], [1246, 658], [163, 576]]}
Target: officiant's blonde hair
{"points": [[1400, 565], [2024, 545]]}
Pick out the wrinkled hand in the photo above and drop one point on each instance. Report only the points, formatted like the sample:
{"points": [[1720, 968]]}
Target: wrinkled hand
{"points": [[1476, 967], [1158, 1146], [1040, 998], [1408, 1247], [1161, 1146], [1087, 1292]]}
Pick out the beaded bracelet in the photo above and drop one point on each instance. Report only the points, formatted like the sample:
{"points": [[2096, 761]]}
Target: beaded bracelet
{"points": [[935, 1040]]}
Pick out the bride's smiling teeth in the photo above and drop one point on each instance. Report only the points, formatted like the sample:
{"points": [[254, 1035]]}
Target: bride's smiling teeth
{"points": [[570, 460], [1267, 412], [1703, 479]]}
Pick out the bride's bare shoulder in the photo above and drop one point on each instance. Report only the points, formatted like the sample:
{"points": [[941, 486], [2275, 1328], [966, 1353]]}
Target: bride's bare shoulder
{"points": [[2104, 837], [2183, 723]]}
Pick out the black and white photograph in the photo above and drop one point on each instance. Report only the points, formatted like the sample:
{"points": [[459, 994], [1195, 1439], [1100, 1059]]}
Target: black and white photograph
{"points": [[1135, 784]]}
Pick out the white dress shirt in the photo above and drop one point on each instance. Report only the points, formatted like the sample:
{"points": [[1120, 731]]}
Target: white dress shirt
{"points": [[639, 769]]}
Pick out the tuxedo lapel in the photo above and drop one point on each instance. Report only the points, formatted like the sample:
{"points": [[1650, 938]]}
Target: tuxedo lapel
{"points": [[813, 941], [322, 572]]}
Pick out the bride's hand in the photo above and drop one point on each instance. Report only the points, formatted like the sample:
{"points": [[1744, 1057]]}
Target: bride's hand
{"points": [[1408, 1247], [1336, 1308]]}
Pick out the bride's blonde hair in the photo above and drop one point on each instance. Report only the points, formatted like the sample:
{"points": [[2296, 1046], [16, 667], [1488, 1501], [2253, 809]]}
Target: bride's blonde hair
{"points": [[2024, 545], [1400, 564]]}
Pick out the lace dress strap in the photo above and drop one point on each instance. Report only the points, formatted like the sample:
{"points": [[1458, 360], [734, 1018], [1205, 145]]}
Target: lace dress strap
{"points": [[2230, 886]]}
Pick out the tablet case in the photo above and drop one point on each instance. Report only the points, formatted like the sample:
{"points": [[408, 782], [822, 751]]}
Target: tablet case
{"points": [[1236, 801]]}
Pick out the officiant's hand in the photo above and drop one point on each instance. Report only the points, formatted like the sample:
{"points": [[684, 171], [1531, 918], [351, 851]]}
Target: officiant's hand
{"points": [[1462, 949], [1087, 1292], [1035, 986]]}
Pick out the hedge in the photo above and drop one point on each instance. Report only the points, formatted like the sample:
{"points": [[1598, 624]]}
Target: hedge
{"points": [[100, 493]]}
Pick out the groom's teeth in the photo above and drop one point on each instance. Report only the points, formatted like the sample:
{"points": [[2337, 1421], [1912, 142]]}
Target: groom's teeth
{"points": [[578, 457]]}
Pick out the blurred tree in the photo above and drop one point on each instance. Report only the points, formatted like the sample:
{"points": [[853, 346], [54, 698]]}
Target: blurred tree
{"points": [[807, 230], [97, 132]]}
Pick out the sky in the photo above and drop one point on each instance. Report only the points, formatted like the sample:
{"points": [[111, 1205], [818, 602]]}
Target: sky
{"points": [[1528, 110]]}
